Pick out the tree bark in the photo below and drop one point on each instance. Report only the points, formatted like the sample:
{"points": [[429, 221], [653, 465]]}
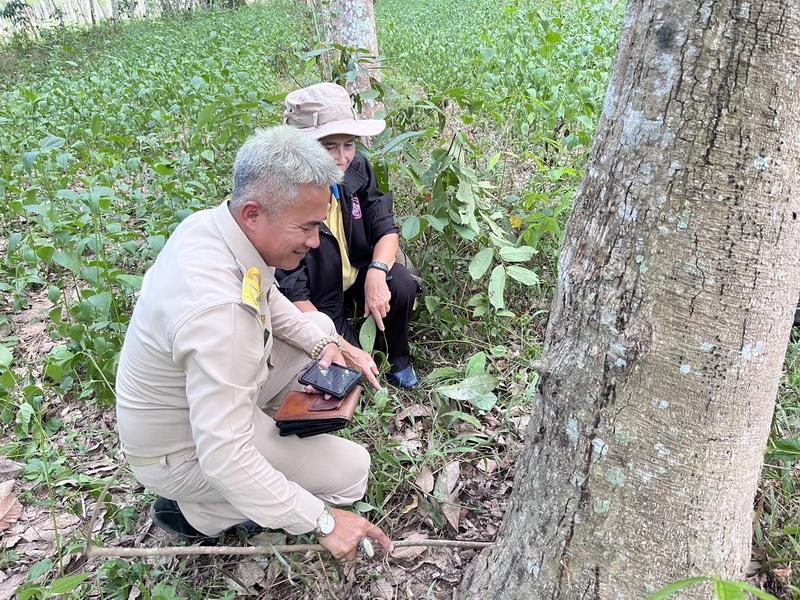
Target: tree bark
{"points": [[677, 284], [351, 23]]}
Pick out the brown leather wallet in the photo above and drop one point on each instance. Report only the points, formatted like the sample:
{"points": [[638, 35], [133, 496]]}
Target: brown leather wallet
{"points": [[304, 414]]}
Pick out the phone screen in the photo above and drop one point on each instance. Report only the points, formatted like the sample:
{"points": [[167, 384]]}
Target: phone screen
{"points": [[335, 380]]}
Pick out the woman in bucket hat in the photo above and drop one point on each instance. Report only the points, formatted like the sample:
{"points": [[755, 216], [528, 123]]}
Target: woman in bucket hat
{"points": [[355, 261]]}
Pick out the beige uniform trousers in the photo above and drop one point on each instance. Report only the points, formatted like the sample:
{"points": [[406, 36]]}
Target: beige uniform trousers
{"points": [[330, 467]]}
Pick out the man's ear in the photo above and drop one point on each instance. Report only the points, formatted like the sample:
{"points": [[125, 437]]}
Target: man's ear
{"points": [[249, 212]]}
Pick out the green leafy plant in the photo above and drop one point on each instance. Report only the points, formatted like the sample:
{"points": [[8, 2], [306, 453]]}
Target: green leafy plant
{"points": [[723, 589]]}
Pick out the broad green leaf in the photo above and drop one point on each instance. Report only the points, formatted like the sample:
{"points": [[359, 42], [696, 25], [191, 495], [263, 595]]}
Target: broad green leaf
{"points": [[469, 389], [45, 252], [41, 567], [31, 592], [367, 334], [68, 260], [60, 354], [66, 194], [442, 373], [498, 351], [208, 155], [410, 227], [675, 586], [497, 286], [728, 590], [466, 417], [480, 263], [156, 242], [96, 124], [476, 364], [397, 142], [516, 254], [132, 282], [435, 222], [369, 95], [205, 115], [102, 301], [13, 242], [363, 507], [6, 358], [68, 583], [738, 590], [484, 402], [432, 303], [51, 141], [523, 275]]}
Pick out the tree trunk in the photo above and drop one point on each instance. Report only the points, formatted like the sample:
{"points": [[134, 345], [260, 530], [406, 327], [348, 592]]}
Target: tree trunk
{"points": [[352, 23], [677, 283], [115, 11], [91, 12]]}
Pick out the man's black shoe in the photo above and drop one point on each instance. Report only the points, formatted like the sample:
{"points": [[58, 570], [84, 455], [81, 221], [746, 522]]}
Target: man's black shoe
{"points": [[168, 516], [245, 530]]}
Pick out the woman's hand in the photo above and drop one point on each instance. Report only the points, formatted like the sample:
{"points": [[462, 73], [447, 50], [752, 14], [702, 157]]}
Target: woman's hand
{"points": [[361, 361], [376, 296]]}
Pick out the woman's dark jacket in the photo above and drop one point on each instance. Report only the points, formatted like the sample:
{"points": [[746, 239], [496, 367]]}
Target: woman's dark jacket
{"points": [[367, 215]]}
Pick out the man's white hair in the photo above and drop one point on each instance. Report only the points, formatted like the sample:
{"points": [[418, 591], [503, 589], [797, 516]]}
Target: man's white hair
{"points": [[273, 163]]}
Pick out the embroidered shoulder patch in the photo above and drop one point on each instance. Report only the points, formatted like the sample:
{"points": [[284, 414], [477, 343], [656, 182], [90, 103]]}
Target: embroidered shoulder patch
{"points": [[356, 207], [251, 288]]}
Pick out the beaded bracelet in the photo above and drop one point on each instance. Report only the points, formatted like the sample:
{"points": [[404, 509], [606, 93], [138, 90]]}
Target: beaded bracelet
{"points": [[320, 345]]}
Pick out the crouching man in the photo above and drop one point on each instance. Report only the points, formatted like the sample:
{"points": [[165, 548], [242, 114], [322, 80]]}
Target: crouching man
{"points": [[213, 347]]}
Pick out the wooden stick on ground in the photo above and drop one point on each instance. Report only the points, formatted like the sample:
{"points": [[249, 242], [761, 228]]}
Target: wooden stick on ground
{"points": [[92, 551], [95, 552]]}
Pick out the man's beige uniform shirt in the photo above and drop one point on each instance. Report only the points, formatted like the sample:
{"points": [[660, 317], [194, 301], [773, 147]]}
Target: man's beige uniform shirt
{"points": [[195, 358]]}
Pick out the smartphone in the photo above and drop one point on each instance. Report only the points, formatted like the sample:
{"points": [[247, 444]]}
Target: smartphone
{"points": [[336, 380]]}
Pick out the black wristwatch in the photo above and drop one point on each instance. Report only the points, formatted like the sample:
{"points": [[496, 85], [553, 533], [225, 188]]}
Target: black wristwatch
{"points": [[376, 264]]}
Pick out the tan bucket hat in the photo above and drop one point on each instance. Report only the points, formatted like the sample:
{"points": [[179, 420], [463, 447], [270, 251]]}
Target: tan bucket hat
{"points": [[325, 109]]}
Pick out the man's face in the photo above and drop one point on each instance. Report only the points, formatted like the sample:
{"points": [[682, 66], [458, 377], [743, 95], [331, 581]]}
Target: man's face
{"points": [[284, 240], [341, 147]]}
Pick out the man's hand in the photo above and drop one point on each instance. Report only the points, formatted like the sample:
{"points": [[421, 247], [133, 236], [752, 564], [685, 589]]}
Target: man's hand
{"points": [[330, 354], [376, 296], [350, 529], [361, 361]]}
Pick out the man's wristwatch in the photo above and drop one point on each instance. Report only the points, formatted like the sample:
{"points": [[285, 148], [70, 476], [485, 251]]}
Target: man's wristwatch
{"points": [[325, 523], [381, 266]]}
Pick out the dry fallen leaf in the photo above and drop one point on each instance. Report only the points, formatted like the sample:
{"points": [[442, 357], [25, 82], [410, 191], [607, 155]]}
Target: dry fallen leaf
{"points": [[9, 541], [10, 508], [43, 529], [411, 505], [411, 552], [415, 410], [9, 586], [487, 465], [249, 574], [446, 492], [9, 469], [381, 590], [424, 480]]}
